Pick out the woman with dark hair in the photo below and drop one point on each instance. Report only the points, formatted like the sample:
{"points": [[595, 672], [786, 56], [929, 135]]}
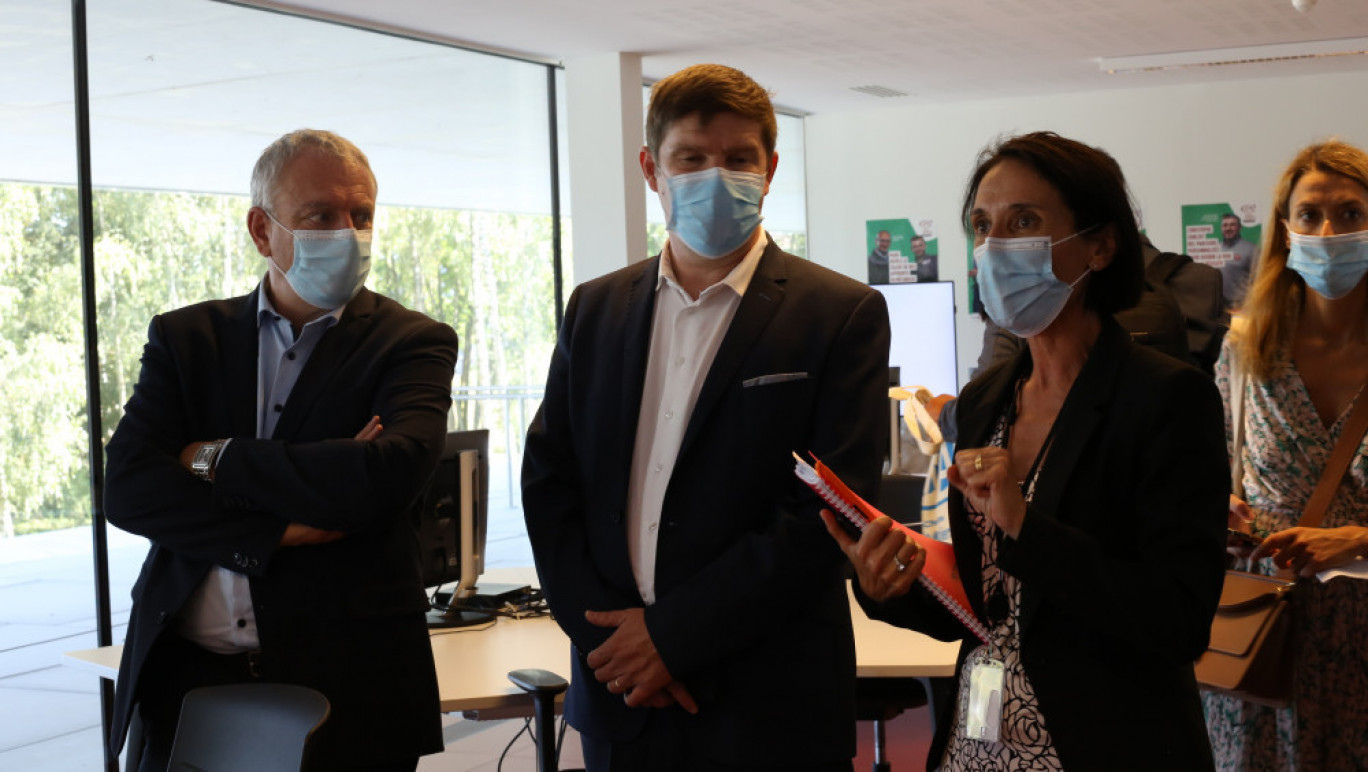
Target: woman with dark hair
{"points": [[1302, 355], [1089, 499]]}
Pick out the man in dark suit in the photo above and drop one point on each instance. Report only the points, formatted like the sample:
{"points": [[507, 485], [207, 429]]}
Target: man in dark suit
{"points": [[271, 452], [709, 621]]}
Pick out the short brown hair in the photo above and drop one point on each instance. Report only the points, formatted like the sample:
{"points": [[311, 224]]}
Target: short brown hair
{"points": [[708, 89], [1276, 292]]}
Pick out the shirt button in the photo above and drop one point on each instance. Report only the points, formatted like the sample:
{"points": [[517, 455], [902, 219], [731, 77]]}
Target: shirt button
{"points": [[669, 414], [679, 360], [654, 526], [290, 356], [242, 623], [659, 467], [278, 408]]}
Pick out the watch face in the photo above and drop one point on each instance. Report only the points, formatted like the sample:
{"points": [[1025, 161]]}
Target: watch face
{"points": [[204, 456]]}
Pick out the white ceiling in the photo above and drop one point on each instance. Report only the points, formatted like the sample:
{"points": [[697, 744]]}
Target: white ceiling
{"points": [[185, 93], [811, 53]]}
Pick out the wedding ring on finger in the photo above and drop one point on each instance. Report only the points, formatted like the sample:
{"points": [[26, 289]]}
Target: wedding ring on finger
{"points": [[978, 463], [617, 683], [901, 565]]}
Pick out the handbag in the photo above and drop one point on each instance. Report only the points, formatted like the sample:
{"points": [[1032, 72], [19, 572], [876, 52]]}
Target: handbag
{"points": [[1250, 652]]}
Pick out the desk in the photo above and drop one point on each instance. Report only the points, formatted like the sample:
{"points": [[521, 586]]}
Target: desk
{"points": [[473, 663]]}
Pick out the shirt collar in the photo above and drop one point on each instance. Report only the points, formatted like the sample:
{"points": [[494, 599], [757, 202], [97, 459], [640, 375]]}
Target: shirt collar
{"points": [[266, 311], [738, 278]]}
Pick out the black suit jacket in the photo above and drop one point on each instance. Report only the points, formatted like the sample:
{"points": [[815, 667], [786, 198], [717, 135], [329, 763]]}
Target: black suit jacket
{"points": [[1120, 558], [751, 611], [347, 617]]}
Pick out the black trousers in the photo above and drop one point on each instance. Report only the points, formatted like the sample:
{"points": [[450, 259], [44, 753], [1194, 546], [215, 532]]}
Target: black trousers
{"points": [[668, 745], [174, 667]]}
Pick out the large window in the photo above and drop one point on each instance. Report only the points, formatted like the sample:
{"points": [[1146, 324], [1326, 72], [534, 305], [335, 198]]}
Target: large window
{"points": [[184, 96]]}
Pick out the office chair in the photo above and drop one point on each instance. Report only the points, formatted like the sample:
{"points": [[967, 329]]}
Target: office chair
{"points": [[254, 727], [543, 685], [882, 699]]}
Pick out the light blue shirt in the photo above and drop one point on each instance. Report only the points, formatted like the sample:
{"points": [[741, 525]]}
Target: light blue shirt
{"points": [[219, 615]]}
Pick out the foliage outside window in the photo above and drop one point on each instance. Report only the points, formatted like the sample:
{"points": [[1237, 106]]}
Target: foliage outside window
{"points": [[486, 274]]}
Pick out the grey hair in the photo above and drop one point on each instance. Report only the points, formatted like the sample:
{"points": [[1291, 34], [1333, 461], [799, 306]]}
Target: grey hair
{"points": [[279, 153]]}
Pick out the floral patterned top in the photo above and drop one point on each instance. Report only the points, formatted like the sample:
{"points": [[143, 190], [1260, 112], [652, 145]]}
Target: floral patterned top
{"points": [[1025, 743], [1286, 447], [1284, 451]]}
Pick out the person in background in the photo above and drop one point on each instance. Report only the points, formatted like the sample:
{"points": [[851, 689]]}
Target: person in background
{"points": [[1089, 502], [1304, 349], [1235, 272], [927, 269], [706, 609], [271, 452], [878, 259]]}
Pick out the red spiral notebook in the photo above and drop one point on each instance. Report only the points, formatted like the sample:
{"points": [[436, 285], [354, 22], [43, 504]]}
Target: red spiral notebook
{"points": [[939, 576]]}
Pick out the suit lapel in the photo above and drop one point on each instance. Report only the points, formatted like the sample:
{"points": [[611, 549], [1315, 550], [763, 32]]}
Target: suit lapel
{"points": [[637, 315], [1079, 418], [977, 419], [763, 297], [240, 371], [334, 348]]}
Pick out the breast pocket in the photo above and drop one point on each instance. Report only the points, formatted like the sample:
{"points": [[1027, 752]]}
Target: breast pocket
{"points": [[777, 409]]}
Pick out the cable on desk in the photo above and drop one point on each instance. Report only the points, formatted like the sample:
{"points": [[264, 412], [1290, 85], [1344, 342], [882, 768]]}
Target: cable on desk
{"points": [[529, 604]]}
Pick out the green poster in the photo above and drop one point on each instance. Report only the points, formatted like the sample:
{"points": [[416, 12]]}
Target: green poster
{"points": [[1217, 234], [899, 253]]}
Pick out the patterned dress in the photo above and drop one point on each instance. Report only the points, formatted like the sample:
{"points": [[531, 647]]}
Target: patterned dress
{"points": [[1326, 728], [1025, 744]]}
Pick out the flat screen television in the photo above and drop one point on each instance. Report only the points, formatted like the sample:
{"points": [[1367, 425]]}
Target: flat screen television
{"points": [[453, 521], [921, 317]]}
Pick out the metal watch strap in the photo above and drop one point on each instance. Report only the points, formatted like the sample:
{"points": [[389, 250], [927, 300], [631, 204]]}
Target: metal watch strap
{"points": [[205, 457]]}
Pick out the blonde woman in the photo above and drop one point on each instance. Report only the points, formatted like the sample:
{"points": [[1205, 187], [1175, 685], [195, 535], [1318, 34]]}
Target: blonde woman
{"points": [[1304, 352]]}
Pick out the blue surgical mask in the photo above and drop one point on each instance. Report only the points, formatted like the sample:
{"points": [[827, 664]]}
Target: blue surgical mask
{"points": [[715, 210], [1020, 291], [329, 267], [1331, 265]]}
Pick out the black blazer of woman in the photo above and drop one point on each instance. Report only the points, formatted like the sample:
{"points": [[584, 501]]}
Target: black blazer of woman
{"points": [[1120, 557]]}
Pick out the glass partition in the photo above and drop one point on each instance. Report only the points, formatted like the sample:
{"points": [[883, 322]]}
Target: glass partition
{"points": [[184, 96]]}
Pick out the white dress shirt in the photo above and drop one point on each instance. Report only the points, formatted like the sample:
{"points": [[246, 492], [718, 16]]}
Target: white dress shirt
{"points": [[685, 336], [219, 615]]}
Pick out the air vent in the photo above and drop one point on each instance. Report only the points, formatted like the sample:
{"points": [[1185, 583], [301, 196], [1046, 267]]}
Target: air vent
{"points": [[1224, 57], [878, 91]]}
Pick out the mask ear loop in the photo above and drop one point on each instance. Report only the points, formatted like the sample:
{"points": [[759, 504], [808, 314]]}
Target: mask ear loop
{"points": [[1076, 234], [271, 258]]}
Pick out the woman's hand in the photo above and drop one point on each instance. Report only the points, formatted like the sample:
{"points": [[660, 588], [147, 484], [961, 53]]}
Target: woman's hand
{"points": [[886, 561], [1240, 515], [1238, 519], [984, 476], [1308, 551]]}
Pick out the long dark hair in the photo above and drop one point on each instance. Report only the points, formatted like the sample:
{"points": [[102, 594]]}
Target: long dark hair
{"points": [[1094, 189]]}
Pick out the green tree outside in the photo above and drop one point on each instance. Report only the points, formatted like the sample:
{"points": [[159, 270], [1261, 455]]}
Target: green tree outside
{"points": [[487, 274]]}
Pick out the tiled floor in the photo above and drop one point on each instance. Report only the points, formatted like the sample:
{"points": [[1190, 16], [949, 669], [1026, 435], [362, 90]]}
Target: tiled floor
{"points": [[50, 714]]}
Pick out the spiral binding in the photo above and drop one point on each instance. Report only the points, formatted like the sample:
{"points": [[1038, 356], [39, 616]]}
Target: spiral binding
{"points": [[852, 513]]}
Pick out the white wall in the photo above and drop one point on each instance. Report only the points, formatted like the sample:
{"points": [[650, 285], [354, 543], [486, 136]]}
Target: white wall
{"points": [[1177, 145]]}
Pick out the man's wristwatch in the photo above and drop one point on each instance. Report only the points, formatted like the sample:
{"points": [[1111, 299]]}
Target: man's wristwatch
{"points": [[206, 455]]}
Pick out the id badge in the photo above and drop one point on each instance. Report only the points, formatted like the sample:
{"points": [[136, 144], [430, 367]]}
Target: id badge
{"points": [[982, 710]]}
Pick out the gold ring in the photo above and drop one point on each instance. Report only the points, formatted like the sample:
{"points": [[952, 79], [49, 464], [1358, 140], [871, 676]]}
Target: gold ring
{"points": [[978, 463], [617, 683]]}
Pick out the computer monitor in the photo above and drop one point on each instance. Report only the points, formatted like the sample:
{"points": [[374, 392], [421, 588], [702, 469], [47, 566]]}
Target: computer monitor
{"points": [[921, 316], [453, 521]]}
